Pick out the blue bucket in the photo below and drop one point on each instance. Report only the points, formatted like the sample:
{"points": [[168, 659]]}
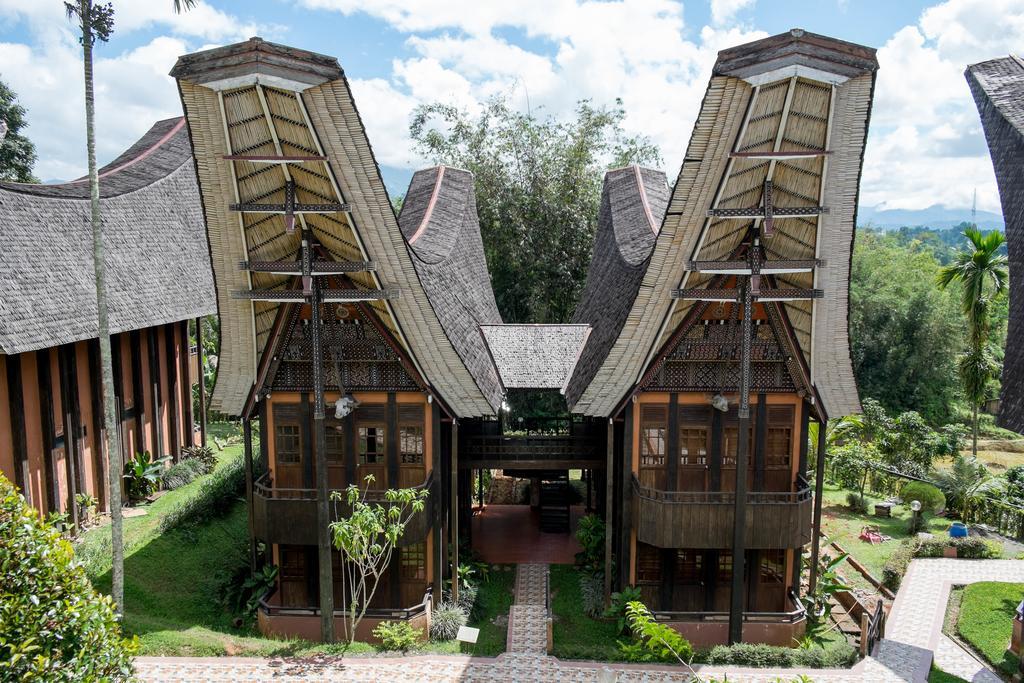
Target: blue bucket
{"points": [[958, 530]]}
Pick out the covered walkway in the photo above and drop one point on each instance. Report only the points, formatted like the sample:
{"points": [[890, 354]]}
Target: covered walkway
{"points": [[510, 534]]}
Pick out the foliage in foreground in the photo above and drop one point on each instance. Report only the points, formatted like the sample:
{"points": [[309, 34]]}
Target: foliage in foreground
{"points": [[54, 626], [397, 635], [653, 642]]}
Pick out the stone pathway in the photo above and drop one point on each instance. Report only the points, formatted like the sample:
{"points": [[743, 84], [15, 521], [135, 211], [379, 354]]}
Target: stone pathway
{"points": [[528, 617], [953, 659], [913, 634]]}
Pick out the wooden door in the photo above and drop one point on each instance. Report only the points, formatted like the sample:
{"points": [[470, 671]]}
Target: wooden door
{"points": [[334, 439], [730, 449], [288, 448], [653, 446], [293, 580], [688, 586], [371, 446], [779, 448], [412, 574]]}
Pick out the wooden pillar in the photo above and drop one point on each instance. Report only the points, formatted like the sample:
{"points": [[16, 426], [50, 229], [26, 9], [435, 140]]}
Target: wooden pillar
{"points": [[391, 444], [200, 363], [72, 424], [319, 428], [16, 406], [45, 384], [739, 534], [819, 483], [454, 513], [306, 431], [760, 434], [153, 359], [174, 437], [348, 433], [247, 434], [138, 397], [609, 504], [625, 544], [668, 579], [672, 444], [805, 420], [264, 437], [438, 494], [188, 436], [99, 431]]}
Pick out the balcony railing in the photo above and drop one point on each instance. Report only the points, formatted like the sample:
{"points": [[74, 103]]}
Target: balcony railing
{"points": [[532, 452], [796, 614], [289, 515], [392, 614], [704, 519]]}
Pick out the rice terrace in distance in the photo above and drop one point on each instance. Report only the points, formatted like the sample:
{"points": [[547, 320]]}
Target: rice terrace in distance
{"points": [[579, 341]]}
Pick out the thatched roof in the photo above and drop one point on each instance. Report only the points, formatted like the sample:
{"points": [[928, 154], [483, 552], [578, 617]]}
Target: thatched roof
{"points": [[157, 261], [998, 89], [633, 204], [796, 92], [440, 223], [535, 356], [258, 98]]}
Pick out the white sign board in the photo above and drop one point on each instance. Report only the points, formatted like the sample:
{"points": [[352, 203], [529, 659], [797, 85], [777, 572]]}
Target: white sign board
{"points": [[468, 634]]}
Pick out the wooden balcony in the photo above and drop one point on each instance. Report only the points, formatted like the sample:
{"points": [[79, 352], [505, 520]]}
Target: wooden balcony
{"points": [[288, 516], [533, 452], [704, 519]]}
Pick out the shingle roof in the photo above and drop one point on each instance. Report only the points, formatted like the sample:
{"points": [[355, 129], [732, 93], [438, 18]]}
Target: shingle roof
{"points": [[535, 356], [633, 204], [157, 260], [998, 89], [440, 224]]}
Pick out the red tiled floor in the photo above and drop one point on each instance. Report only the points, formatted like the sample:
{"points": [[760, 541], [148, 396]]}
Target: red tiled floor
{"points": [[510, 534]]}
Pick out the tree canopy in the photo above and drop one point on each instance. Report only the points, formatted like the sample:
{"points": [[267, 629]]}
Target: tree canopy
{"points": [[538, 190], [17, 153]]}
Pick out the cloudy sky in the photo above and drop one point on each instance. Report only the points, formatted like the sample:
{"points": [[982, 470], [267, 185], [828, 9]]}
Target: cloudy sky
{"points": [[925, 147]]}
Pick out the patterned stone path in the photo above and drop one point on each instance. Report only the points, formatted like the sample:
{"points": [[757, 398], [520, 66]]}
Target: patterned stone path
{"points": [[913, 633], [953, 659], [528, 617]]}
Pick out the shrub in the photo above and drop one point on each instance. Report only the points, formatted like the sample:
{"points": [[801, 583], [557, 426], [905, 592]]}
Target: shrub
{"points": [[970, 548], [931, 498], [752, 654], [182, 473], [53, 624], [834, 656], [592, 594], [446, 620], [142, 475], [857, 502], [202, 455], [620, 601], [590, 534], [653, 641], [215, 497], [896, 566], [397, 635]]}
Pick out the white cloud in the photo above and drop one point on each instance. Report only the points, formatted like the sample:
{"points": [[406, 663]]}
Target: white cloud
{"points": [[722, 11]]}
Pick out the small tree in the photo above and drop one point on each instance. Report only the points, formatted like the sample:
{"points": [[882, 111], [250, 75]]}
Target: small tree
{"points": [[366, 539], [966, 483]]}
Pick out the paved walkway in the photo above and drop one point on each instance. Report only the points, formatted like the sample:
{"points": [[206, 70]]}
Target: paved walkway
{"points": [[528, 617], [914, 632]]}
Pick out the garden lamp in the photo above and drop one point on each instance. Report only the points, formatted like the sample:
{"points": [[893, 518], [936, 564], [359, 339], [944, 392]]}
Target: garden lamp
{"points": [[915, 505]]}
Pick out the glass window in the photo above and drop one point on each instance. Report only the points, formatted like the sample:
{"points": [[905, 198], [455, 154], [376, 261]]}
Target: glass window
{"points": [[688, 567], [413, 561], [371, 445], [778, 446], [410, 439], [693, 446], [724, 567], [335, 441], [653, 445], [287, 443], [773, 566], [648, 564]]}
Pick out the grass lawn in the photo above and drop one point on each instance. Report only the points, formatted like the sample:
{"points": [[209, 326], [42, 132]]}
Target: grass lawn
{"points": [[493, 602], [940, 676], [843, 526], [986, 621], [575, 635], [172, 582]]}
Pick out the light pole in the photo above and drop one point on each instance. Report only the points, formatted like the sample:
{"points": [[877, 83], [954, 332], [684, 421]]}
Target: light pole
{"points": [[915, 507]]}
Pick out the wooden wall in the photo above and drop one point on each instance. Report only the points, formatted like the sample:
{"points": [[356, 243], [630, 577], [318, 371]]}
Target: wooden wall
{"points": [[51, 427]]}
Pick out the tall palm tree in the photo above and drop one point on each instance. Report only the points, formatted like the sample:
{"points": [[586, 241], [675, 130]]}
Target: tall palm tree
{"points": [[96, 22], [982, 273]]}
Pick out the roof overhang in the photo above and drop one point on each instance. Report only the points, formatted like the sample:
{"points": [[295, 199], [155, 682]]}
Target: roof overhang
{"points": [[257, 61]]}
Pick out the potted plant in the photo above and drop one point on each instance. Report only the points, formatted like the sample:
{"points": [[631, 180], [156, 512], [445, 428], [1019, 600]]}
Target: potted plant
{"points": [[142, 476]]}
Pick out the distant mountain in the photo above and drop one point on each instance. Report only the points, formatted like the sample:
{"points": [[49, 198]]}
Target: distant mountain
{"points": [[936, 217]]}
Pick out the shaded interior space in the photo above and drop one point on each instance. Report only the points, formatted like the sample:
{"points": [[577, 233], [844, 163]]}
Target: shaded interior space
{"points": [[511, 534]]}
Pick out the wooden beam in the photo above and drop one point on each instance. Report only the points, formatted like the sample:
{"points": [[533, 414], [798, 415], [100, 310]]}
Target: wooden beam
{"points": [[810, 154], [332, 296], [318, 267], [274, 158], [776, 267], [752, 212], [250, 207], [726, 294]]}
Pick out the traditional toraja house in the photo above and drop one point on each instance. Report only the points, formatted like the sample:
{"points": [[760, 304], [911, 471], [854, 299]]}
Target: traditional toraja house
{"points": [[375, 341], [734, 336], [159, 278], [998, 89]]}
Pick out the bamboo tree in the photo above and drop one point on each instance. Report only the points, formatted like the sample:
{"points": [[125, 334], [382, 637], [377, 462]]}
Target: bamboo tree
{"points": [[96, 22], [982, 273]]}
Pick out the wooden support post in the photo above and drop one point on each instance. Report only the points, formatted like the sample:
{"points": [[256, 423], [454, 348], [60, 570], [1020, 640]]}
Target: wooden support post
{"points": [[438, 507], [819, 484], [760, 436], [454, 514], [202, 382], [672, 445], [153, 360], [608, 506], [865, 624], [247, 434], [323, 505], [626, 512], [739, 534]]}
